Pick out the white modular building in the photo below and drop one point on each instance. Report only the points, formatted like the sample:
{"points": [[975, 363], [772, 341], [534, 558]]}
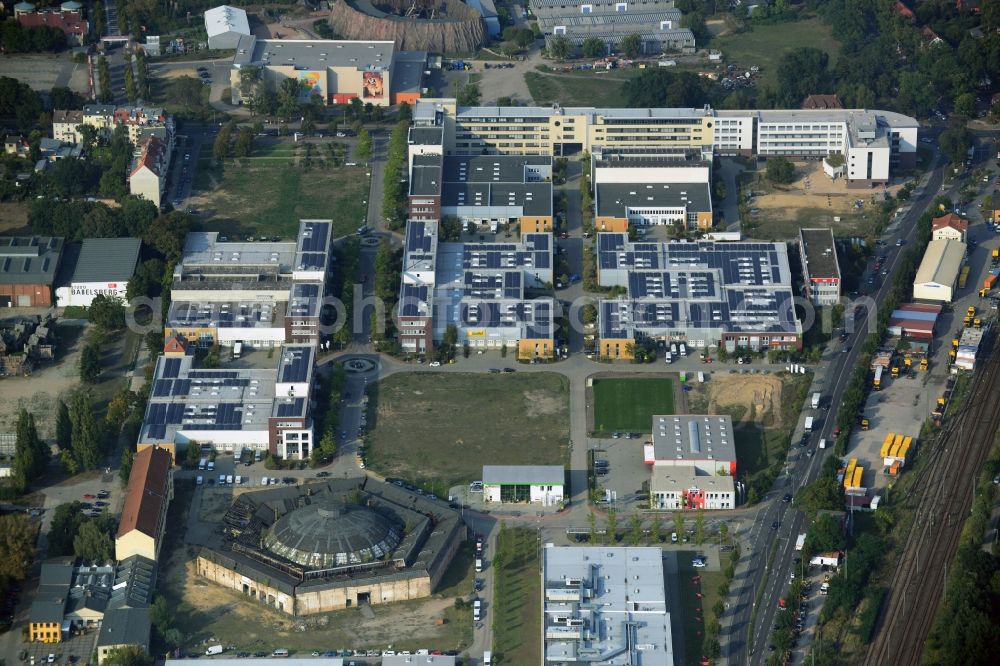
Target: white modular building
{"points": [[225, 25], [536, 484]]}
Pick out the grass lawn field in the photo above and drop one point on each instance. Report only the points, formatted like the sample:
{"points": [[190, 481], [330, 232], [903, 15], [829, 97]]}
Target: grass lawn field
{"points": [[269, 196], [439, 429], [763, 45], [516, 600], [694, 610], [629, 404], [579, 88]]}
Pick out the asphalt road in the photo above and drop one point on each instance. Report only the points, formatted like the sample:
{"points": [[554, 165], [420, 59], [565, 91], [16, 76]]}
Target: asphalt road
{"points": [[835, 377]]}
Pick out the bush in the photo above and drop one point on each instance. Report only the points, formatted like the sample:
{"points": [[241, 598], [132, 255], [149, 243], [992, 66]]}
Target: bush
{"points": [[780, 170]]}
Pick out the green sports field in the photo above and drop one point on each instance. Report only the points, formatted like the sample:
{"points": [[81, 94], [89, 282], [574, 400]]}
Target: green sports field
{"points": [[629, 404]]}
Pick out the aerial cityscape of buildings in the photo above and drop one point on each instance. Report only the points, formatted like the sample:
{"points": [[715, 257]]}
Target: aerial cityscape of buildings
{"points": [[386, 350]]}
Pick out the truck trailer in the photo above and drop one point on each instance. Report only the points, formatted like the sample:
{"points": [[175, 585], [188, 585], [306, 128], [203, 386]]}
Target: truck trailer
{"points": [[809, 424], [815, 400]]}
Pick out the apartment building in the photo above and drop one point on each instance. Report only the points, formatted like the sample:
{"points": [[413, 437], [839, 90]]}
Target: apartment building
{"points": [[147, 498], [705, 294], [874, 143], [139, 121], [147, 177]]}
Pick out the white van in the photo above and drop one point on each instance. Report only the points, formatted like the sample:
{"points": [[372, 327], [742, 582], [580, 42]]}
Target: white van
{"points": [[669, 357], [263, 481], [239, 480], [222, 479], [487, 658], [479, 564], [673, 348], [200, 480], [822, 443], [477, 609], [202, 463], [229, 479], [211, 466], [684, 349]]}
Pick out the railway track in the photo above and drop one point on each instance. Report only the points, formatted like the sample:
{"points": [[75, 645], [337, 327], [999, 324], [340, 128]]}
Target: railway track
{"points": [[945, 499]]}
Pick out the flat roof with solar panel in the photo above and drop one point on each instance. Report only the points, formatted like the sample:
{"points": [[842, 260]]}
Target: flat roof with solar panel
{"points": [[695, 288], [238, 314]]}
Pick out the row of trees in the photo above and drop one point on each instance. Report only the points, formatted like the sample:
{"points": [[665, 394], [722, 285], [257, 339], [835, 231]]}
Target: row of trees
{"points": [[31, 453], [388, 266], [394, 182], [224, 145], [17, 549], [17, 39]]}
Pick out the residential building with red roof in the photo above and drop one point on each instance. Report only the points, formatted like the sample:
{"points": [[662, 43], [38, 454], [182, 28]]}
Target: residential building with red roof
{"points": [[148, 174], [949, 227], [68, 17]]}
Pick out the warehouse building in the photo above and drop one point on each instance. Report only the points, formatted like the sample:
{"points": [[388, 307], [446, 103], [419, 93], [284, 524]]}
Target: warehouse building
{"points": [[144, 511], [103, 267], [937, 276], [336, 70], [656, 22], [706, 294], [586, 617], [480, 288], [643, 187], [225, 26], [332, 545], [260, 409], [692, 462], [820, 270], [875, 144], [914, 320], [28, 269], [483, 191], [126, 621], [534, 484]]}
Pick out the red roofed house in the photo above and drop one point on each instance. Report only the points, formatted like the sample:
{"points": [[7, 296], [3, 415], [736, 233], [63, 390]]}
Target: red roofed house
{"points": [[175, 347], [903, 11], [144, 513], [949, 227], [930, 37], [148, 175], [822, 102], [68, 18]]}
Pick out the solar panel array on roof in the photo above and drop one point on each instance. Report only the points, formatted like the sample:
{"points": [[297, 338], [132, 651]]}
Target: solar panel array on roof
{"points": [[413, 300], [171, 367], [290, 407], [503, 285], [296, 364], [315, 237]]}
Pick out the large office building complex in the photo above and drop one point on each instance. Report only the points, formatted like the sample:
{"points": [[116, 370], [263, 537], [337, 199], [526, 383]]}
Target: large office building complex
{"points": [[605, 606], [477, 287], [261, 295], [656, 22], [489, 190], [873, 143], [642, 187], [336, 70], [706, 294]]}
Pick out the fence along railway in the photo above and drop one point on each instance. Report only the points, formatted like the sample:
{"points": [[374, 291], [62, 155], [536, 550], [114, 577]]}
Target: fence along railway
{"points": [[945, 499]]}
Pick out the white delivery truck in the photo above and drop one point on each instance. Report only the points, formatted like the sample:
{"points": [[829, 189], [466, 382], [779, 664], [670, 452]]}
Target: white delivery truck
{"points": [[822, 443], [237, 349], [214, 649], [809, 424], [800, 542], [815, 401]]}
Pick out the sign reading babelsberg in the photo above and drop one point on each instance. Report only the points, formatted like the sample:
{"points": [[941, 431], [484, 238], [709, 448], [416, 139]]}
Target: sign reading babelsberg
{"points": [[83, 293]]}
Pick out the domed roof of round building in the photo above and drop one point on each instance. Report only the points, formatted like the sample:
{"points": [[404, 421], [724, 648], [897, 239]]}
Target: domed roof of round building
{"points": [[330, 533]]}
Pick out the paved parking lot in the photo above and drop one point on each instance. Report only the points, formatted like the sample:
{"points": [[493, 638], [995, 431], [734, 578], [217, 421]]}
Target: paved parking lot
{"points": [[626, 470], [45, 72]]}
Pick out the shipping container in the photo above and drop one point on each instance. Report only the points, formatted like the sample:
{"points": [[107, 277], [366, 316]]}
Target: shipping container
{"points": [[886, 445]]}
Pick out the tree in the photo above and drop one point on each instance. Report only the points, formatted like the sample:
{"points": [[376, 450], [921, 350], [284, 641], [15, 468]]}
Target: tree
{"points": [[92, 544], [593, 47], [131, 655], [659, 87], [97, 16], [965, 105], [119, 408], [559, 47], [244, 142], [220, 147], [288, 97], [308, 127], [699, 527], [632, 45], [142, 74], [634, 530], [147, 279], [64, 427], [955, 142], [86, 431], [107, 312], [802, 72], [656, 529], [90, 362], [66, 521], [679, 523], [130, 87], [104, 79], [591, 527], [62, 97], [780, 170], [468, 95], [363, 151], [30, 452], [509, 49], [125, 468], [17, 547], [612, 527]]}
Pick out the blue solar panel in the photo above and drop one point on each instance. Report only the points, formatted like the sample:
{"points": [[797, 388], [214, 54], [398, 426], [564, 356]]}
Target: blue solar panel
{"points": [[171, 367]]}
